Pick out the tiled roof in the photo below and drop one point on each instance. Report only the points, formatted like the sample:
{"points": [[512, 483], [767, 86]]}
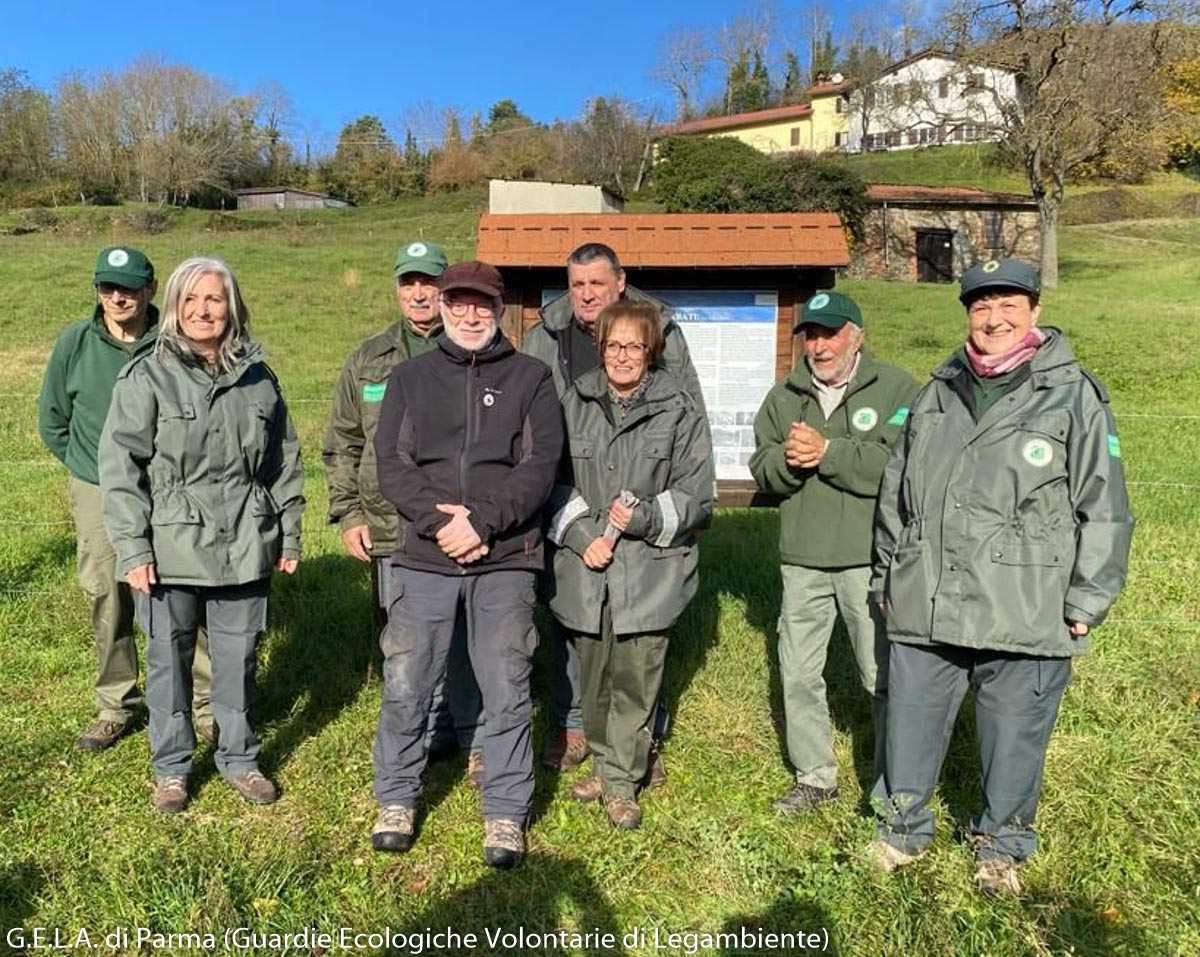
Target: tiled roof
{"points": [[667, 239], [778, 114], [953, 195]]}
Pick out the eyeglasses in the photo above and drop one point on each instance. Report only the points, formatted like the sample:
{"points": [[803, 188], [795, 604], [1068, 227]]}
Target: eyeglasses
{"points": [[110, 289], [635, 350], [458, 309]]}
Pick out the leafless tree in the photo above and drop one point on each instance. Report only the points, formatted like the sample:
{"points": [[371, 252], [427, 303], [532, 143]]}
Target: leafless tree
{"points": [[683, 64]]}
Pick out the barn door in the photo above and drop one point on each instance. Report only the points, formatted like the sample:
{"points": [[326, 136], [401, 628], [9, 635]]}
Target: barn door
{"points": [[935, 255]]}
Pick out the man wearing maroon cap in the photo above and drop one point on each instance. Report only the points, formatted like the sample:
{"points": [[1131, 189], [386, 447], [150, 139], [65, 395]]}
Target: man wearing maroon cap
{"points": [[468, 444]]}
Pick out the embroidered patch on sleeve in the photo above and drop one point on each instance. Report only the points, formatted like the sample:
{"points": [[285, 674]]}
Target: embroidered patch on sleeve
{"points": [[373, 391], [899, 416], [1114, 446]]}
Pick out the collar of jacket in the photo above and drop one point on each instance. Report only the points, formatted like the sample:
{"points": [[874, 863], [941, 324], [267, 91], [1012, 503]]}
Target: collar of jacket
{"points": [[557, 312], [800, 378], [498, 348], [663, 388], [1053, 364], [252, 352], [145, 339]]}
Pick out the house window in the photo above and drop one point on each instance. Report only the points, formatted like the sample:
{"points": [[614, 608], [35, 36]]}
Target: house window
{"points": [[943, 87], [795, 136], [893, 139], [839, 140], [916, 92], [942, 133], [912, 137], [969, 132], [993, 229], [898, 94], [974, 83], [958, 134], [841, 105]]}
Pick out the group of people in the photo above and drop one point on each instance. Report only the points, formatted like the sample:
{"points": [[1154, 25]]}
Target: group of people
{"points": [[968, 533]]}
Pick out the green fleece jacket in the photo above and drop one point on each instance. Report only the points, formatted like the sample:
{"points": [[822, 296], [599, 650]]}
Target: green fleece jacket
{"points": [[827, 513], [78, 386]]}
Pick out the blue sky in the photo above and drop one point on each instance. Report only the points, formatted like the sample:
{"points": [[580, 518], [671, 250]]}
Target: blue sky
{"points": [[341, 59]]}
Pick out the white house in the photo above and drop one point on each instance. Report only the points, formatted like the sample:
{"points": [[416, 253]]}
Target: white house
{"points": [[930, 98]]}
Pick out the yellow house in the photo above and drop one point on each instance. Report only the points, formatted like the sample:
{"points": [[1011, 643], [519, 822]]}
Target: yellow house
{"points": [[819, 126]]}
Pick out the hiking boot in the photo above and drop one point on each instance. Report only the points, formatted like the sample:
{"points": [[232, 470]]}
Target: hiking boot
{"points": [[997, 876], [623, 812], [206, 730], [588, 789], [475, 769], [255, 787], [656, 771], [503, 842], [566, 750], [103, 734], [885, 858], [393, 830], [170, 794], [803, 798]]}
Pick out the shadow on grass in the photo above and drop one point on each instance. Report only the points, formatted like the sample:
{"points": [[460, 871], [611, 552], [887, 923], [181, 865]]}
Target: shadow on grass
{"points": [[20, 885], [50, 555], [1079, 926], [746, 565], [544, 894], [797, 919]]}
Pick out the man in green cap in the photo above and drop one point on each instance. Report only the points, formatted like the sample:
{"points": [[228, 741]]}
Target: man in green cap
{"points": [[72, 407], [369, 523], [823, 437]]}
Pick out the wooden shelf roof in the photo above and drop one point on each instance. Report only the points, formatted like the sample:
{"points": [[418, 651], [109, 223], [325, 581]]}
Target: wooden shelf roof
{"points": [[666, 240]]}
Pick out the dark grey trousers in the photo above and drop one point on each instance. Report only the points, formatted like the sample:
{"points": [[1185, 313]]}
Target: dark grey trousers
{"points": [[497, 608], [170, 615], [1016, 705], [456, 713]]}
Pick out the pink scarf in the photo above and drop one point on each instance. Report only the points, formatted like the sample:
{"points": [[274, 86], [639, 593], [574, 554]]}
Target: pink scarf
{"points": [[986, 366]]}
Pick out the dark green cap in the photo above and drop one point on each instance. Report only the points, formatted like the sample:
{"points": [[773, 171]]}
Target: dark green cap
{"points": [[429, 259], [998, 274], [124, 266], [831, 310]]}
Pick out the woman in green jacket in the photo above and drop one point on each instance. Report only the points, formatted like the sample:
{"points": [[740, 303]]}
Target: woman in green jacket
{"points": [[637, 488], [201, 476]]}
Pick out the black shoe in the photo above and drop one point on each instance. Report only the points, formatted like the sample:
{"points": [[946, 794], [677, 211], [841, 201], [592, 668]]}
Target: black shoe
{"points": [[803, 798]]}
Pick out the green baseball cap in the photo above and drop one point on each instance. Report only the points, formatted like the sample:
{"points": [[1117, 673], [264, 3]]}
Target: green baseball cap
{"points": [[998, 274], [429, 259], [124, 266], [831, 310]]}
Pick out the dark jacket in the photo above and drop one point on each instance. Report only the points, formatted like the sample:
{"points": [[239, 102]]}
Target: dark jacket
{"points": [[201, 476], [481, 429], [78, 386], [993, 534], [349, 448], [542, 340], [661, 452], [826, 517]]}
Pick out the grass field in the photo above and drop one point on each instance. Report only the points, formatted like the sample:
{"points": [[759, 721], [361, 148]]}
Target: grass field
{"points": [[80, 846]]}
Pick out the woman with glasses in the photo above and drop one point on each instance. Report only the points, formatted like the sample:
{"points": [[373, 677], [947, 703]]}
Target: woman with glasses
{"points": [[635, 490], [201, 476]]}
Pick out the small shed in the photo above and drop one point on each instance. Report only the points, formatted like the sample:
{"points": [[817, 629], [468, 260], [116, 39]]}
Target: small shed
{"points": [[935, 233], [285, 197], [536, 196], [734, 283]]}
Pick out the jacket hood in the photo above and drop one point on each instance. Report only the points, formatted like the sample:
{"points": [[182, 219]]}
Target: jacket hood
{"points": [[557, 312], [498, 348]]}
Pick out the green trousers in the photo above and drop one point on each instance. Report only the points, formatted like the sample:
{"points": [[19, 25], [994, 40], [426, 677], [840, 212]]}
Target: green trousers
{"points": [[117, 693], [620, 677], [812, 600]]}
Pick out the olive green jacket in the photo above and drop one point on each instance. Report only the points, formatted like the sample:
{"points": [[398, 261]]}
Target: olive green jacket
{"points": [[827, 513], [201, 476], [349, 448], [661, 452], [995, 534], [541, 341]]}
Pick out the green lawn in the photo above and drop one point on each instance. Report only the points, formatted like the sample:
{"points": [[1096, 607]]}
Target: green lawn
{"points": [[1120, 820]]}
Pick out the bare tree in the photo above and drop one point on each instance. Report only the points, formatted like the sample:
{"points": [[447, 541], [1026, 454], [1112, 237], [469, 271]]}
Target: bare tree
{"points": [[739, 43], [684, 60]]}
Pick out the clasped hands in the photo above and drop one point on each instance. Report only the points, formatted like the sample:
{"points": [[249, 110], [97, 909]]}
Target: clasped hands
{"points": [[457, 538], [804, 446]]}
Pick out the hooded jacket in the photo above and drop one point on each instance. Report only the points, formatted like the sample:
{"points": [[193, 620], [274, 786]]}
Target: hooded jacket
{"points": [[661, 452], [476, 428], [201, 476], [993, 534]]}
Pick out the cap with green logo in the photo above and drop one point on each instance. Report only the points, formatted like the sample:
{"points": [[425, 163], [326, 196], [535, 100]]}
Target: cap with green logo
{"points": [[831, 310], [124, 266], [998, 274], [429, 259]]}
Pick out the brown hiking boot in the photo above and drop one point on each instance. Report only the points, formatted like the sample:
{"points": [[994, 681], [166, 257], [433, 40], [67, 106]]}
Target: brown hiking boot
{"points": [[997, 876], [588, 789], [170, 794], [885, 858], [103, 734], [623, 812], [656, 771], [566, 750], [503, 842], [475, 769], [255, 787]]}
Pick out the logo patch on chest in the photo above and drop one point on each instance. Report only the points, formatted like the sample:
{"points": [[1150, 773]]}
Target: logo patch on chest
{"points": [[865, 419], [1038, 453]]}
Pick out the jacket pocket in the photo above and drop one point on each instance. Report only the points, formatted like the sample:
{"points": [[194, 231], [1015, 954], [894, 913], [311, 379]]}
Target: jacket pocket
{"points": [[1049, 556], [174, 508], [910, 590]]}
